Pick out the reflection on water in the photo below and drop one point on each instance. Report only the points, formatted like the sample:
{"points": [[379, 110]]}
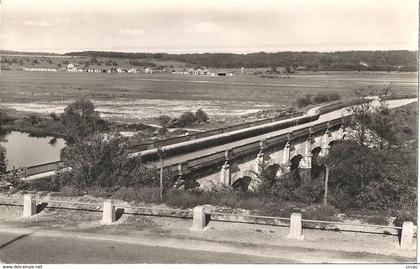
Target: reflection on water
{"points": [[23, 150]]}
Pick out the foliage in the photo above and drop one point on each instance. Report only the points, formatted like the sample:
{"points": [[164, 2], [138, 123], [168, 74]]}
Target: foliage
{"points": [[201, 116], [81, 120], [3, 161], [343, 60], [319, 98], [142, 63], [366, 119], [103, 161], [186, 118], [164, 120], [370, 179], [54, 116]]}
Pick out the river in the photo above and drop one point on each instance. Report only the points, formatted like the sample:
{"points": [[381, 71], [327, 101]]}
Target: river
{"points": [[23, 150]]}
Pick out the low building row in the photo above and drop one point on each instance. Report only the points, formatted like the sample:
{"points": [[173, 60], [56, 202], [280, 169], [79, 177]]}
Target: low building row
{"points": [[203, 72], [73, 68]]}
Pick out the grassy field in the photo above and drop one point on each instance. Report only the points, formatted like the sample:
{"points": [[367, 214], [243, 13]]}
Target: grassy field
{"points": [[144, 96]]}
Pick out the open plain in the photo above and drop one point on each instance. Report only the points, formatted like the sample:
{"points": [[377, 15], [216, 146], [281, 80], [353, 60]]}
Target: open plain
{"points": [[133, 97]]}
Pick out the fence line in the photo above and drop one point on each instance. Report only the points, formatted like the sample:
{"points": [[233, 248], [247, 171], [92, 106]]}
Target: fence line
{"points": [[209, 213]]}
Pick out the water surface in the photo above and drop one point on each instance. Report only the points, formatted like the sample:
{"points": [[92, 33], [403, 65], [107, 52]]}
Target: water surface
{"points": [[22, 150]]}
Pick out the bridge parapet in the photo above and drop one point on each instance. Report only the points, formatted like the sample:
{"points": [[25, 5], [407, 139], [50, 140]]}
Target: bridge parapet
{"points": [[238, 152]]}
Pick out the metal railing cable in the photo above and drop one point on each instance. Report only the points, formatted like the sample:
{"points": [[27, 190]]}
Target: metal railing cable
{"points": [[247, 216], [351, 224], [154, 208]]}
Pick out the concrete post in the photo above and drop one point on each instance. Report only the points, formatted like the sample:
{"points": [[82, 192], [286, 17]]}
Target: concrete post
{"points": [[108, 212], [29, 206], [225, 175], [407, 235], [199, 219], [296, 226]]}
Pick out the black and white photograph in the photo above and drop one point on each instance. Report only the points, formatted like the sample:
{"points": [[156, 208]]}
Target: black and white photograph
{"points": [[226, 132]]}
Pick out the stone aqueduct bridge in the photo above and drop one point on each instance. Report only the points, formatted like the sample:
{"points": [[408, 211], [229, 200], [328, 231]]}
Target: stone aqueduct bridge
{"points": [[240, 165], [233, 155]]}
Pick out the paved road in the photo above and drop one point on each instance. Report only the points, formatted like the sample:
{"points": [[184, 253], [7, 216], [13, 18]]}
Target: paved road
{"points": [[35, 249], [323, 118]]}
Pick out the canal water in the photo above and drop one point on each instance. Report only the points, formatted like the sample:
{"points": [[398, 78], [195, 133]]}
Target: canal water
{"points": [[23, 150]]}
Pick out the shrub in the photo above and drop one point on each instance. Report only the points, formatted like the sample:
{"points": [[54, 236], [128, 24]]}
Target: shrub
{"points": [[34, 119], [405, 214], [164, 120], [54, 116], [102, 161], [320, 97], [201, 116], [187, 118]]}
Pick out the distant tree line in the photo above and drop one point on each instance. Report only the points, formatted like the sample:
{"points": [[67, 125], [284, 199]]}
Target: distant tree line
{"points": [[402, 60]]}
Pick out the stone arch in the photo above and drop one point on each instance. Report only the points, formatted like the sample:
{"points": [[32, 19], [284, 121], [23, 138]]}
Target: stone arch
{"points": [[315, 152], [273, 169], [316, 169], [242, 184], [235, 173], [295, 161]]}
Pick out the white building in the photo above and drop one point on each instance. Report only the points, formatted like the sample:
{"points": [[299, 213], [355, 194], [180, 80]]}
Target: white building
{"points": [[38, 69], [148, 70]]}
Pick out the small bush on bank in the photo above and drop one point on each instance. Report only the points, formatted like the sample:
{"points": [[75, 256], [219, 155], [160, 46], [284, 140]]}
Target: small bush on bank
{"points": [[201, 116], [54, 116], [405, 214], [186, 118], [318, 98], [164, 120]]}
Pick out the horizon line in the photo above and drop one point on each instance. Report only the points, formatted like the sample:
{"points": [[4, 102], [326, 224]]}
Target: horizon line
{"points": [[204, 52]]}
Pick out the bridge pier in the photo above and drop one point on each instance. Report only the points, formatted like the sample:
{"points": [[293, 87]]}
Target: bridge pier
{"points": [[286, 153], [225, 173], [325, 147], [285, 161], [305, 164], [260, 160], [182, 171]]}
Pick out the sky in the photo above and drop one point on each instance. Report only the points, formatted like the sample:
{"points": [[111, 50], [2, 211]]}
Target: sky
{"points": [[189, 26]]}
